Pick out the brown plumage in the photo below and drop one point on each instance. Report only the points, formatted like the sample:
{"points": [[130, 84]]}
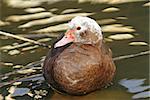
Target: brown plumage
{"points": [[78, 68]]}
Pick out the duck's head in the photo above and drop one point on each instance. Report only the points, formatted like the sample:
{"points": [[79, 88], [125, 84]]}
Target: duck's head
{"points": [[82, 30]]}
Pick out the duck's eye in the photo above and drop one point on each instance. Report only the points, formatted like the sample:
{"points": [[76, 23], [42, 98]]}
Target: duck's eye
{"points": [[78, 28]]}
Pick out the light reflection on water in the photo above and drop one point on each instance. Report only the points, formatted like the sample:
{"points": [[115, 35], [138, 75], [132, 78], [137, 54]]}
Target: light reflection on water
{"points": [[136, 86], [132, 17]]}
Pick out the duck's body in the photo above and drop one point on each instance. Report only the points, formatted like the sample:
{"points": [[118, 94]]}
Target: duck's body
{"points": [[78, 68]]}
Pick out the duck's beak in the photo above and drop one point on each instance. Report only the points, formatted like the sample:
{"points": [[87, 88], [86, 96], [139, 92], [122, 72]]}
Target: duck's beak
{"points": [[68, 38]]}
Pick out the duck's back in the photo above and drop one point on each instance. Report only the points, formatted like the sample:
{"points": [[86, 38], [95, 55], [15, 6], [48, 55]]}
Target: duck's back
{"points": [[79, 69]]}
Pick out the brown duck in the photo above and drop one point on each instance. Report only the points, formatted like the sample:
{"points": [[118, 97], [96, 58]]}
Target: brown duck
{"points": [[79, 62]]}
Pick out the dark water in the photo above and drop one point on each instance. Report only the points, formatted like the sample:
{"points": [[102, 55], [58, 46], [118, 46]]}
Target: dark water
{"points": [[132, 68]]}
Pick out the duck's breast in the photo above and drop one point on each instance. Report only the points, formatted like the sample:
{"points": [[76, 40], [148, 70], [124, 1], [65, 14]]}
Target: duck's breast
{"points": [[79, 68]]}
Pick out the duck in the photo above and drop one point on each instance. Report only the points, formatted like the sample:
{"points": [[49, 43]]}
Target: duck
{"points": [[79, 61]]}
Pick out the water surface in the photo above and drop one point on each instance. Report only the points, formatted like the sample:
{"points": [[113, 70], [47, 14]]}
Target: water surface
{"points": [[130, 15]]}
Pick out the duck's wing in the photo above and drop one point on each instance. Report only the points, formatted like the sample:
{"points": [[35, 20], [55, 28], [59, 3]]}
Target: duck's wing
{"points": [[106, 50], [107, 63]]}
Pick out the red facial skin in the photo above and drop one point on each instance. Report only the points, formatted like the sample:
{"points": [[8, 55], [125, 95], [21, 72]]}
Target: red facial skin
{"points": [[68, 38]]}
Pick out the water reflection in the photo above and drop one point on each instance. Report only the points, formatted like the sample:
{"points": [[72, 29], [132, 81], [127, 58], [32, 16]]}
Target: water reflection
{"points": [[136, 86]]}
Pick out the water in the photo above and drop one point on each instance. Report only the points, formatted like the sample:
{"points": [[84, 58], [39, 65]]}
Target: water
{"points": [[132, 14]]}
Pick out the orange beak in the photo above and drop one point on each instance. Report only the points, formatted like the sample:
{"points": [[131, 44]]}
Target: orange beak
{"points": [[68, 38]]}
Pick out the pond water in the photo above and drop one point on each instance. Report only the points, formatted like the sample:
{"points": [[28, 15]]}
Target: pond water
{"points": [[131, 19]]}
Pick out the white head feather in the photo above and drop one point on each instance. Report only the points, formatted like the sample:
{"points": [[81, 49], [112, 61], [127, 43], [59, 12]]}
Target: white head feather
{"points": [[79, 26], [86, 23]]}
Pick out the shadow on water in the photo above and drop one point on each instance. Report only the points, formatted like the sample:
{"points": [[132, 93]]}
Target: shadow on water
{"points": [[132, 14]]}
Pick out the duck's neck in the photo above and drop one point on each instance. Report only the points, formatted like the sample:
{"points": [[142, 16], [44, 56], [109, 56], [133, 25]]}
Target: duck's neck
{"points": [[97, 45]]}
